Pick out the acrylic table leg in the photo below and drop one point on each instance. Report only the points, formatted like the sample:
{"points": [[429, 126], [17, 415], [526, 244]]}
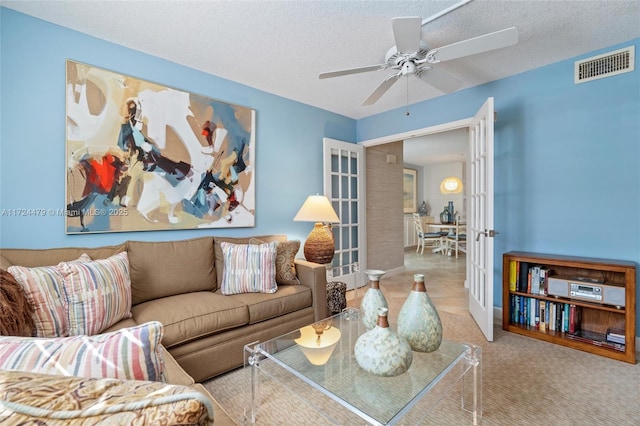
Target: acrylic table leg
{"points": [[473, 402], [253, 362]]}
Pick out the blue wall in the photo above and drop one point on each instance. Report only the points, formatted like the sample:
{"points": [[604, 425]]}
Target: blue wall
{"points": [[567, 159], [288, 138], [560, 148]]}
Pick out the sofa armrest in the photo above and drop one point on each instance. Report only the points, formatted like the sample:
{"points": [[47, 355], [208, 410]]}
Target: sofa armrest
{"points": [[314, 276]]}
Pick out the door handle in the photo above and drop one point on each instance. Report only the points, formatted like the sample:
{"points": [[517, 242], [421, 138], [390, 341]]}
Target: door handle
{"points": [[487, 233]]}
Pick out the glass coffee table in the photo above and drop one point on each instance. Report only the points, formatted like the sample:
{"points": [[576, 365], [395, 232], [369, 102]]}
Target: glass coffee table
{"points": [[321, 356]]}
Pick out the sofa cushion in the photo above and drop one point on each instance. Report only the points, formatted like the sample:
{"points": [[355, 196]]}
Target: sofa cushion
{"points": [[43, 288], [131, 353], [160, 269], [288, 298], [249, 268], [98, 293], [285, 260], [191, 316], [237, 240]]}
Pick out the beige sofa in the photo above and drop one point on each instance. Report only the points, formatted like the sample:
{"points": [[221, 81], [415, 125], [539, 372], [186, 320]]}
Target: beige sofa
{"points": [[178, 284]]}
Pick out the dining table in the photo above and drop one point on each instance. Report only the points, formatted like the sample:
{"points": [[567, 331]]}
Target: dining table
{"points": [[440, 227]]}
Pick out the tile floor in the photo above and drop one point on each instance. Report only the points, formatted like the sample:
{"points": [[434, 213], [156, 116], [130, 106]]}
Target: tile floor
{"points": [[444, 279]]}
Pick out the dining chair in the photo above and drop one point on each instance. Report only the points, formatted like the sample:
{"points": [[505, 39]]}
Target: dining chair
{"points": [[434, 239], [457, 242]]}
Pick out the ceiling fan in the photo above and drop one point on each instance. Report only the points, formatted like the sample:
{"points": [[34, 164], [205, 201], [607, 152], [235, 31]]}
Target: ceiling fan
{"points": [[411, 56]]}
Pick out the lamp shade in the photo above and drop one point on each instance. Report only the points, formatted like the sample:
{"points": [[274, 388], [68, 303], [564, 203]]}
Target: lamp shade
{"points": [[317, 208], [319, 246], [451, 185], [318, 344]]}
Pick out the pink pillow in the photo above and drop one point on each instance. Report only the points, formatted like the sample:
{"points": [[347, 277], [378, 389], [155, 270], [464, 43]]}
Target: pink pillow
{"points": [[43, 288]]}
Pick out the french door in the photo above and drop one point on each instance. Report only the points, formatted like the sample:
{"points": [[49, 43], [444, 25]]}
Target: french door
{"points": [[480, 230], [343, 172]]}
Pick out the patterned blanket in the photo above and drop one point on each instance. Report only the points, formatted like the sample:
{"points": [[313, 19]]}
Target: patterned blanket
{"points": [[42, 399]]}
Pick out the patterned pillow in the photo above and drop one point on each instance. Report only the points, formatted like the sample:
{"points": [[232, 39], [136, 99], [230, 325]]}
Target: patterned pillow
{"points": [[285, 260], [98, 293], [130, 353], [248, 268], [43, 287]]}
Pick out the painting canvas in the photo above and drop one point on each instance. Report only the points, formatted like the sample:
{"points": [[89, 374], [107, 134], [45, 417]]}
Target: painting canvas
{"points": [[409, 190], [142, 156]]}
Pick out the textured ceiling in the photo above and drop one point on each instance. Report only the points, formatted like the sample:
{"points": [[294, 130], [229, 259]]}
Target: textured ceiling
{"points": [[281, 46]]}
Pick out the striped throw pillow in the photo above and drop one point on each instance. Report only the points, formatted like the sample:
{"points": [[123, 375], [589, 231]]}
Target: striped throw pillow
{"points": [[130, 353], [248, 268], [43, 288], [98, 293]]}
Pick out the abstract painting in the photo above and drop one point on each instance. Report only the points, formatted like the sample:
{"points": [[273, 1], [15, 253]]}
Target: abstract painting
{"points": [[141, 156]]}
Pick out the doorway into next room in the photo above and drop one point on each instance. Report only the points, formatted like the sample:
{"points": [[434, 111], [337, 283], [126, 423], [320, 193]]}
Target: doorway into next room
{"points": [[444, 278]]}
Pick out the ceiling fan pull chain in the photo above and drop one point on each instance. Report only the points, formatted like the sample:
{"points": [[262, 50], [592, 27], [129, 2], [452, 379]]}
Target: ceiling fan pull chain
{"points": [[407, 113]]}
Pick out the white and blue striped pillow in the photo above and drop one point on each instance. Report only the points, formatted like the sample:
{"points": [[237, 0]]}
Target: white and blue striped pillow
{"points": [[249, 268], [98, 293]]}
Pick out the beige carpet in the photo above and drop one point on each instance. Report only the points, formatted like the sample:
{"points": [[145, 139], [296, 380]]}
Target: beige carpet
{"points": [[525, 381]]}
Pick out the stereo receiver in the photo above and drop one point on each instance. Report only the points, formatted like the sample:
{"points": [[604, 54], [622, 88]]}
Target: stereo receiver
{"points": [[592, 292]]}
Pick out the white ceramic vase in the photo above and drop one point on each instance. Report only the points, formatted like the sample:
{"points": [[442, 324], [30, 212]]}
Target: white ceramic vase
{"points": [[418, 319], [381, 351], [373, 299]]}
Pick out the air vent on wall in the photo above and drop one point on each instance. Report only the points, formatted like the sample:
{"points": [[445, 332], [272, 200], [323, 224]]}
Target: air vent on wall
{"points": [[612, 63]]}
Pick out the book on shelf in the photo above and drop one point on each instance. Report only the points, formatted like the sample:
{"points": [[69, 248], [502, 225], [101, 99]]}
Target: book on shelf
{"points": [[574, 319], [544, 280], [615, 335], [534, 273], [513, 275], [594, 338], [523, 275]]}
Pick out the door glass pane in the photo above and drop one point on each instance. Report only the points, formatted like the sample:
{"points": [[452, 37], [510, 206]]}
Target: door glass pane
{"points": [[334, 161], [345, 212], [345, 238], [354, 164], [344, 162]]}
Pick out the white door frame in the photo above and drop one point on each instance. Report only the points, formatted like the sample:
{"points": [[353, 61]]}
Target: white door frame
{"points": [[444, 127]]}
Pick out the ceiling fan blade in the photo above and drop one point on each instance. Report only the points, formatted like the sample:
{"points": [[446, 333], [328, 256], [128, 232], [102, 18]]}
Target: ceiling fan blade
{"points": [[407, 32], [440, 80], [352, 71], [380, 90], [472, 46]]}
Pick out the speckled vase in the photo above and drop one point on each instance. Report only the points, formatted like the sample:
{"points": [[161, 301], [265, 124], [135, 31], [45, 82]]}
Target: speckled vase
{"points": [[381, 351], [373, 299], [418, 319]]}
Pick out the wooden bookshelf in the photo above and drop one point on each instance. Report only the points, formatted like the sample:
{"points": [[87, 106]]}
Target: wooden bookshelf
{"points": [[592, 320]]}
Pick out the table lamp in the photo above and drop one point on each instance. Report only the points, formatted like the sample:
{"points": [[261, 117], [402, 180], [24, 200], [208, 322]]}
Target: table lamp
{"points": [[318, 341], [319, 247]]}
